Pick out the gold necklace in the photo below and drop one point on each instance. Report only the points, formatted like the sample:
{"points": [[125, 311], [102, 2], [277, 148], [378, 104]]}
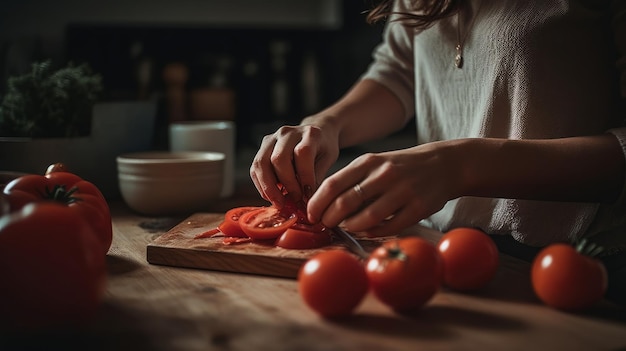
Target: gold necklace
{"points": [[458, 58]]}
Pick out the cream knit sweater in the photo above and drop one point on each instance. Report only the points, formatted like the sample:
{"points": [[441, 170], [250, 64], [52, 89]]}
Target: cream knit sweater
{"points": [[532, 69]]}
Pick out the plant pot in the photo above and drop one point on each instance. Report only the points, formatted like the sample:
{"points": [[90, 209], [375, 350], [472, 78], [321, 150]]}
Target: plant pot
{"points": [[117, 127]]}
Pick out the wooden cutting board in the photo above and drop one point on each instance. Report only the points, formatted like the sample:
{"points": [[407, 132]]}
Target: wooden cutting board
{"points": [[179, 248]]}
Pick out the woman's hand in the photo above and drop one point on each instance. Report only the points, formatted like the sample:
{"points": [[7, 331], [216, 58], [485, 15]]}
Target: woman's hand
{"points": [[382, 194], [398, 189], [296, 157]]}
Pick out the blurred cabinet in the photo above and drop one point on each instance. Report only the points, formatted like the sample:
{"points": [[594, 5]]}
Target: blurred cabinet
{"points": [[275, 60], [31, 17]]}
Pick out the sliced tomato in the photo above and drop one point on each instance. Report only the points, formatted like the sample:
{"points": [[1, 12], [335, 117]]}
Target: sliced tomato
{"points": [[230, 226], [297, 209], [209, 234], [299, 238], [302, 234], [266, 223], [318, 227]]}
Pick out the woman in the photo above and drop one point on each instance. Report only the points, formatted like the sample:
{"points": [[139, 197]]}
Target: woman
{"points": [[518, 108]]}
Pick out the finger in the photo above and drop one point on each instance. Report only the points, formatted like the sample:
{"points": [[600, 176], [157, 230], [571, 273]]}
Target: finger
{"points": [[322, 165], [342, 206], [304, 161], [406, 217], [329, 193], [394, 210], [312, 160], [306, 154], [377, 205], [282, 160], [263, 175], [267, 187], [257, 184]]}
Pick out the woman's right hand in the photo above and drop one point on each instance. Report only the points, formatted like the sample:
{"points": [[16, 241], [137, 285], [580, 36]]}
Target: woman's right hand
{"points": [[295, 157]]}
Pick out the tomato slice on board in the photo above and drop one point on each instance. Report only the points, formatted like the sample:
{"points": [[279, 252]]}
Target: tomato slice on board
{"points": [[230, 225], [318, 227], [209, 234], [266, 223], [302, 234], [299, 239], [297, 209]]}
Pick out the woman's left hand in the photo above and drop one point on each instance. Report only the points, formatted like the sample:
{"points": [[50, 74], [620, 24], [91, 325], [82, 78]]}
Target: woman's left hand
{"points": [[382, 194]]}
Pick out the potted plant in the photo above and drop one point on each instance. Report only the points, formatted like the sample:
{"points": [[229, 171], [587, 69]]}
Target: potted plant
{"points": [[51, 115], [49, 103]]}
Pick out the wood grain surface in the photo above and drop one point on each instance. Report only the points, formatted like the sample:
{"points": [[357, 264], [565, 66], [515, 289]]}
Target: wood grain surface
{"points": [[164, 308]]}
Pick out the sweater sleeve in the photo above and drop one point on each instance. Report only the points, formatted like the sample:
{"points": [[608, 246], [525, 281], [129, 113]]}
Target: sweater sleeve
{"points": [[392, 64]]}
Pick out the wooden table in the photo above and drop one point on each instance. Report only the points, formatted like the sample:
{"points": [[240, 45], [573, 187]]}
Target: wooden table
{"points": [[149, 307]]}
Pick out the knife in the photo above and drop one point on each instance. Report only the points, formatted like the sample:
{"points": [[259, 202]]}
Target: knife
{"points": [[351, 243]]}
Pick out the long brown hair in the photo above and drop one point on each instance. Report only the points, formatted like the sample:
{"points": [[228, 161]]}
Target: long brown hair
{"points": [[425, 12]]}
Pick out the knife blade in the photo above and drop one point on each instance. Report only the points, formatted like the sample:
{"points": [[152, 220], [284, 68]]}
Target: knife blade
{"points": [[351, 243]]}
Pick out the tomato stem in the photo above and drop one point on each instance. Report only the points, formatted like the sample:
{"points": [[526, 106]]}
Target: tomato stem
{"points": [[587, 248], [60, 194], [396, 253]]}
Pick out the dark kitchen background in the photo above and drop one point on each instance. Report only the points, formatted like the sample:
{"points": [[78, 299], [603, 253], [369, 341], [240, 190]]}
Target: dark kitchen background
{"points": [[260, 63]]}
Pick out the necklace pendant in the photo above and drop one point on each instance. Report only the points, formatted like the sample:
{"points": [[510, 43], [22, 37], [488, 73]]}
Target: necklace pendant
{"points": [[458, 58], [458, 61]]}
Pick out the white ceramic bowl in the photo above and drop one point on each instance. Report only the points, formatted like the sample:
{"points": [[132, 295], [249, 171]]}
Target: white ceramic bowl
{"points": [[166, 163], [170, 183]]}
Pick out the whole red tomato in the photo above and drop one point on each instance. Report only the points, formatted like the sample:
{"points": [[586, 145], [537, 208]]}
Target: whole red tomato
{"points": [[333, 283], [566, 279], [470, 259], [51, 267], [77, 195], [405, 273]]}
